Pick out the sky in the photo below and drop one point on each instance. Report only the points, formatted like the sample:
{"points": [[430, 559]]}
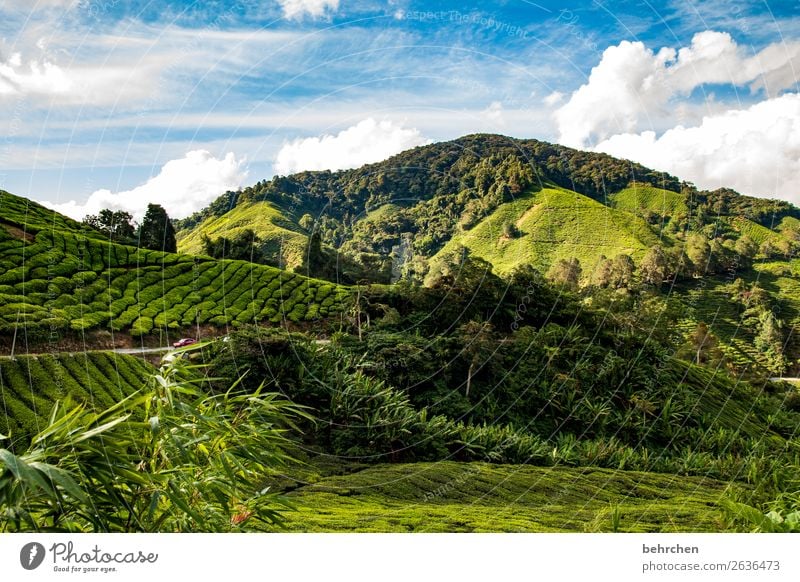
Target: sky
{"points": [[117, 103]]}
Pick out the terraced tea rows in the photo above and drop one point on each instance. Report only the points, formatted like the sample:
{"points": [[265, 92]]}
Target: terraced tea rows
{"points": [[30, 217], [553, 224], [643, 197], [66, 281], [476, 497], [30, 385]]}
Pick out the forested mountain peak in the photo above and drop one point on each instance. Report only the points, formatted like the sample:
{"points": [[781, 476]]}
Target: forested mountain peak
{"points": [[512, 201]]}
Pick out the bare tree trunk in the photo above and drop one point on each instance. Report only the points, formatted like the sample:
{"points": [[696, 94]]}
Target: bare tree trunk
{"points": [[469, 377]]}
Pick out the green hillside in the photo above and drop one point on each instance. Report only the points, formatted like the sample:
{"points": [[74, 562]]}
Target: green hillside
{"points": [[524, 203], [553, 224], [640, 198], [31, 384], [432, 191], [280, 236], [477, 497], [23, 217], [389, 219], [55, 281]]}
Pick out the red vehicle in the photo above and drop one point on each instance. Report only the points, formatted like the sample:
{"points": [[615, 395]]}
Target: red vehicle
{"points": [[187, 341]]}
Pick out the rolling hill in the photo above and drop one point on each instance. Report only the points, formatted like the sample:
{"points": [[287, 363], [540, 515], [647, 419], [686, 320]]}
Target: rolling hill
{"points": [[552, 224], [281, 237], [59, 277]]}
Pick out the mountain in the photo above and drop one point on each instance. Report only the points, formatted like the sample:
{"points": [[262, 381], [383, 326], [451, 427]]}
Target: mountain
{"points": [[510, 201], [516, 203]]}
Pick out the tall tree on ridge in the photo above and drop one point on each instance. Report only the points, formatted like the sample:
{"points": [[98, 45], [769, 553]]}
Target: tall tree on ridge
{"points": [[156, 231]]}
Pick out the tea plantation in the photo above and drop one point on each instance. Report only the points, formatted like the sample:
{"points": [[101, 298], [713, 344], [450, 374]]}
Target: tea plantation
{"points": [[30, 385], [56, 280], [479, 497]]}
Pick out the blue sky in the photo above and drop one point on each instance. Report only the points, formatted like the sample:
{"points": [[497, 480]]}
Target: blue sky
{"points": [[124, 100]]}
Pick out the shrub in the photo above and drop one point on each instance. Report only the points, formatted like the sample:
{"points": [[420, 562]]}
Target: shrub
{"points": [[368, 418], [142, 326]]}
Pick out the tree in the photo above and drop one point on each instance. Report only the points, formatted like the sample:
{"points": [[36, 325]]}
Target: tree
{"points": [[463, 287], [306, 222], [654, 266], [478, 347], [786, 247], [768, 249], [317, 262], [769, 342], [678, 263], [704, 345], [116, 224], [601, 276], [156, 231], [566, 273], [357, 309], [622, 268], [738, 290], [746, 248], [245, 246], [510, 230], [699, 253]]}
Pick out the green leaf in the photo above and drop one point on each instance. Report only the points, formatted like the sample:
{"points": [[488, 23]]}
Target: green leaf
{"points": [[101, 429], [63, 479], [23, 473]]}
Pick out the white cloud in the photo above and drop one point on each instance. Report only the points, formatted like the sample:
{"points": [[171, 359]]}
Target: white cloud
{"points": [[494, 113], [553, 98], [632, 84], [27, 8], [88, 83], [134, 62], [366, 142], [295, 9], [35, 77], [182, 187], [755, 150]]}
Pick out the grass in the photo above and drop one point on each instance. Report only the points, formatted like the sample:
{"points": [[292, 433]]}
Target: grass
{"points": [[478, 497], [272, 226], [556, 224]]}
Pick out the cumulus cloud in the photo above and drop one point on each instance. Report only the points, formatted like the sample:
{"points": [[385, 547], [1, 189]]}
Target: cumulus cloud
{"points": [[754, 150], [182, 187], [366, 142], [295, 9], [633, 84]]}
